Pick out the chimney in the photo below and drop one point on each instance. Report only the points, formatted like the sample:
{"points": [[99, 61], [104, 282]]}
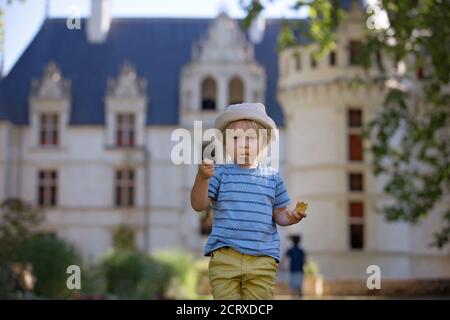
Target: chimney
{"points": [[99, 21]]}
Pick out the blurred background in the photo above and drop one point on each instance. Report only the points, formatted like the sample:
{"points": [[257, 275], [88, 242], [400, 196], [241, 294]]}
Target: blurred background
{"points": [[91, 92]]}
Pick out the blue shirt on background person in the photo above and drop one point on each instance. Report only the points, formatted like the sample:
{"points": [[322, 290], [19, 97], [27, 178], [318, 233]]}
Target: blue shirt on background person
{"points": [[297, 259]]}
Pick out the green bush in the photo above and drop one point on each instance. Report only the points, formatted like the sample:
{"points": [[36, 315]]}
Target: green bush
{"points": [[311, 269], [49, 258], [123, 238], [93, 283], [186, 275], [17, 219], [135, 275]]}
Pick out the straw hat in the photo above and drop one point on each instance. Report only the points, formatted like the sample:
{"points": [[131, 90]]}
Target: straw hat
{"points": [[248, 111]]}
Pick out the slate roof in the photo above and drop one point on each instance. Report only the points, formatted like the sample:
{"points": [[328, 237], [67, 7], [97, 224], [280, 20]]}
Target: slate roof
{"points": [[157, 47]]}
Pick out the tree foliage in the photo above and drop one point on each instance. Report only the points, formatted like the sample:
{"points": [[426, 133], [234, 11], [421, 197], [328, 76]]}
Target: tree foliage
{"points": [[410, 134], [17, 220]]}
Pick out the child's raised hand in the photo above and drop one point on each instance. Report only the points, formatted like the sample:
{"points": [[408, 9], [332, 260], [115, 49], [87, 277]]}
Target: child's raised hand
{"points": [[301, 207], [206, 169], [298, 213]]}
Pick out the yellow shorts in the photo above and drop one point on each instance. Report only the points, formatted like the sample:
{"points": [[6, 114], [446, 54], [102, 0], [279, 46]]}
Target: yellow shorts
{"points": [[235, 276]]}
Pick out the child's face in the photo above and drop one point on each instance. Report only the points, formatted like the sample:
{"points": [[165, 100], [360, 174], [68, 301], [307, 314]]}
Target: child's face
{"points": [[242, 142]]}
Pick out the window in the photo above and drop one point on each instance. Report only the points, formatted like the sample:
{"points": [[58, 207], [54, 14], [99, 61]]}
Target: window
{"points": [[419, 73], [47, 188], [354, 49], [124, 188], [356, 209], [355, 150], [354, 118], [332, 58], [287, 67], [209, 92], [355, 179], [355, 182], [125, 130], [236, 91], [206, 220], [313, 61], [48, 129], [297, 60], [379, 60], [356, 212], [355, 144], [356, 236]]}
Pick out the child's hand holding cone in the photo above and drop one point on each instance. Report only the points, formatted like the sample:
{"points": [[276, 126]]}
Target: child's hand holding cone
{"points": [[301, 208], [298, 213]]}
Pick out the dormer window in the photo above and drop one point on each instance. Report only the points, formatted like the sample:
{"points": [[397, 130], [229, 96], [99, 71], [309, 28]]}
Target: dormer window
{"points": [[48, 129], [209, 94], [50, 107], [125, 130], [126, 108]]}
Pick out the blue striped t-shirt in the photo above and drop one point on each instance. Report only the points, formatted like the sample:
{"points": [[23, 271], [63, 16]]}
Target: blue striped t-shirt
{"points": [[243, 200]]}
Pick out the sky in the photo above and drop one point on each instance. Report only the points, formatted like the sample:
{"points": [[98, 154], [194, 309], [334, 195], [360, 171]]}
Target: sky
{"points": [[23, 19]]}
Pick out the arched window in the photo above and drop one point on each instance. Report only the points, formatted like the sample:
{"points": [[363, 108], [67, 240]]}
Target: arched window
{"points": [[297, 60], [209, 94], [236, 91]]}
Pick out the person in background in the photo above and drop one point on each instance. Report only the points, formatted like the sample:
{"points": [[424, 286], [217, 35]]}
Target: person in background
{"points": [[297, 259]]}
